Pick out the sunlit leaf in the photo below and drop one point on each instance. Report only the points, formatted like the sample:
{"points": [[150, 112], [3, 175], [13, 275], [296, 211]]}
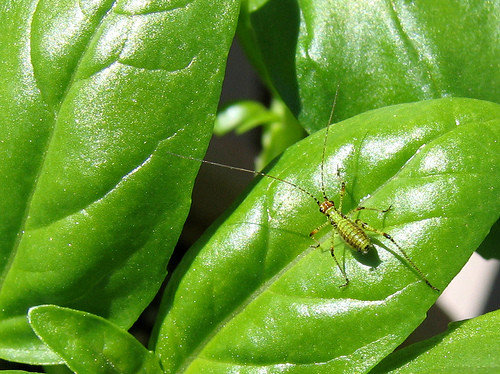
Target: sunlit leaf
{"points": [[469, 346], [377, 52], [92, 95], [91, 344], [253, 295]]}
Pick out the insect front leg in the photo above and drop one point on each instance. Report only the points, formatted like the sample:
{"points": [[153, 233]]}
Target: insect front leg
{"points": [[332, 250], [342, 194], [342, 190], [367, 227], [315, 231]]}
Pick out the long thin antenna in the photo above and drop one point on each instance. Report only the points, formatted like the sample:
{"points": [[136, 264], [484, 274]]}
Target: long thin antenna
{"points": [[324, 145], [248, 171]]}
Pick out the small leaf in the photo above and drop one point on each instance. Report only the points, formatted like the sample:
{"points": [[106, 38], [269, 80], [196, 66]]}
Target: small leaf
{"points": [[280, 129], [278, 135], [90, 344], [253, 295], [378, 53], [242, 116], [469, 346]]}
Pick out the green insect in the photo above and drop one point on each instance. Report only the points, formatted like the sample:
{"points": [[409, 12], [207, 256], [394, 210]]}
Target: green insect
{"points": [[352, 231]]}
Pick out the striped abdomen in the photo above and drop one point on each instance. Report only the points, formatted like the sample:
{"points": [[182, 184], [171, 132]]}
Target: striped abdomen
{"points": [[349, 231]]}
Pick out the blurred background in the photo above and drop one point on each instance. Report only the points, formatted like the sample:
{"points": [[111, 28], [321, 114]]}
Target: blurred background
{"points": [[475, 290]]}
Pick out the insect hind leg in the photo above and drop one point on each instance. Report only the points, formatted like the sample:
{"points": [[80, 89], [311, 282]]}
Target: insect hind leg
{"points": [[332, 252], [367, 227]]}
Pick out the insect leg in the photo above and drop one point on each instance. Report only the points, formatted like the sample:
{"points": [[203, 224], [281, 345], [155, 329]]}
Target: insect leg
{"points": [[318, 244], [315, 231], [342, 189], [375, 209], [342, 194], [332, 251], [366, 226]]}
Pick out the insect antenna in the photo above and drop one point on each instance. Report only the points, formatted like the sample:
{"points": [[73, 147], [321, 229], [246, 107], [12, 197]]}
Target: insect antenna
{"points": [[324, 145], [254, 172]]}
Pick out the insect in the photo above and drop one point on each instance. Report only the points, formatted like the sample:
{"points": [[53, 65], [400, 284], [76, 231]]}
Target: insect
{"points": [[352, 231]]}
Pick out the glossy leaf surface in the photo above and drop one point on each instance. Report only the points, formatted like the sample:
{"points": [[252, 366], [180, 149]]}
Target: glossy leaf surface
{"points": [[378, 52], [253, 295], [469, 346], [92, 95], [91, 344]]}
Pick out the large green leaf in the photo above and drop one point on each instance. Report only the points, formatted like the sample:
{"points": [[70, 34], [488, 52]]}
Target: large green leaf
{"points": [[469, 346], [92, 94], [254, 296], [91, 344], [378, 52]]}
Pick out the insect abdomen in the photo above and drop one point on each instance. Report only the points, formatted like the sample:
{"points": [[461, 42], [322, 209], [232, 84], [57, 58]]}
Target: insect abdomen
{"points": [[353, 234]]}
